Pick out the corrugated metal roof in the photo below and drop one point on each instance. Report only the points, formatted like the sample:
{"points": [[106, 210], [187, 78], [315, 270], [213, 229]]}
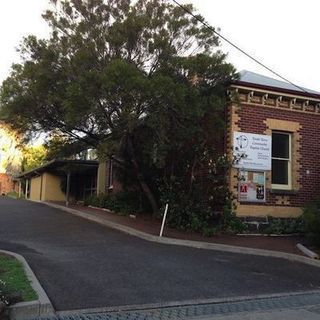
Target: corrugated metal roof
{"points": [[259, 79]]}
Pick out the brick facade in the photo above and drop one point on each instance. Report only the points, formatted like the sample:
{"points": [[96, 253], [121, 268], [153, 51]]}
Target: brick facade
{"points": [[295, 115], [6, 183], [262, 110]]}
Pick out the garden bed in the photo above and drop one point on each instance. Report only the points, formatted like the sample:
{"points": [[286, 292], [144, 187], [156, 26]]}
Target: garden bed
{"points": [[148, 224]]}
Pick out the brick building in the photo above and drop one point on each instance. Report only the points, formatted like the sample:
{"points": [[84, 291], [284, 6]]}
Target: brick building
{"points": [[6, 183], [60, 181], [291, 117], [288, 118]]}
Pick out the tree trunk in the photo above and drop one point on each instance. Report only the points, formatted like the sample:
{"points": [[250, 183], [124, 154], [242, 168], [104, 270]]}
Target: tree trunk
{"points": [[144, 186]]}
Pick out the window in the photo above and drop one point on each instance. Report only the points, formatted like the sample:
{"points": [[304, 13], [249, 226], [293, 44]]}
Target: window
{"points": [[281, 160]]}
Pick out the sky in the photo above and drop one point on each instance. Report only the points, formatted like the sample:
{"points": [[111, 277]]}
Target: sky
{"points": [[284, 34]]}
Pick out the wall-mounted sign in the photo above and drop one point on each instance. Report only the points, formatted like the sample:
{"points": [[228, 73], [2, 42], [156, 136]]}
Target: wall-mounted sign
{"points": [[253, 151], [252, 187]]}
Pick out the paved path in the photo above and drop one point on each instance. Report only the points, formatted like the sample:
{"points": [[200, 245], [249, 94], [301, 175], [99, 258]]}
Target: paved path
{"points": [[85, 265], [291, 307]]}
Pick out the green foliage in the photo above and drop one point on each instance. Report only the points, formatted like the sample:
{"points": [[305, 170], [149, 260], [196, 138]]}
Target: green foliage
{"points": [[229, 222], [124, 202], [284, 226], [210, 231], [14, 284], [311, 219], [186, 210], [58, 147], [33, 157], [205, 204], [8, 296], [141, 80], [13, 194]]}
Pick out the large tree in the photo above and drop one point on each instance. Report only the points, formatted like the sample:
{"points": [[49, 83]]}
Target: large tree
{"points": [[32, 157], [135, 78]]}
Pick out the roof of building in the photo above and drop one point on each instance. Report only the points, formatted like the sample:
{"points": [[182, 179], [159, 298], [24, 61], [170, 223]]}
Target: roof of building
{"points": [[56, 164], [248, 77]]}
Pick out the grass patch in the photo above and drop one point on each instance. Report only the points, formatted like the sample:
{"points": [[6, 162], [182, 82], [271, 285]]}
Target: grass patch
{"points": [[16, 282], [13, 194]]}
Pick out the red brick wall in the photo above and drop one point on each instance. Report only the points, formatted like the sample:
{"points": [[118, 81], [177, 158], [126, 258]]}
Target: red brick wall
{"points": [[252, 120], [6, 183]]}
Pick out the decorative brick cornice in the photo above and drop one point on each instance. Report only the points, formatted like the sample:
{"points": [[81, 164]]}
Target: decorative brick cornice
{"points": [[273, 99]]}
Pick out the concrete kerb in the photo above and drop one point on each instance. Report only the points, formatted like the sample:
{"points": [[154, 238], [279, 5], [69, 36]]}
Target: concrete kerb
{"points": [[186, 243], [184, 303], [30, 309]]}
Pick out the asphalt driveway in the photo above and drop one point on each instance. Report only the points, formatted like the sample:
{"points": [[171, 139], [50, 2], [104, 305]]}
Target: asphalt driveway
{"points": [[84, 265]]}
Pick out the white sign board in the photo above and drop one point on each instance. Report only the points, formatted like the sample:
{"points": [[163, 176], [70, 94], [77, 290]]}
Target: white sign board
{"points": [[252, 150]]}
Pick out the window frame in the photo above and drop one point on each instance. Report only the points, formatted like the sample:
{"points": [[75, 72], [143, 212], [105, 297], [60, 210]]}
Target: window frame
{"points": [[289, 161]]}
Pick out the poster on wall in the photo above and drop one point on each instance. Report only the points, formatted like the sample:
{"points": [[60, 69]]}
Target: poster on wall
{"points": [[253, 151], [251, 187]]}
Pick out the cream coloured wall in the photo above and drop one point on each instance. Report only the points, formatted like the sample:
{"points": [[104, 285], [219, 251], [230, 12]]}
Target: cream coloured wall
{"points": [[244, 210], [102, 177], [51, 190], [35, 187]]}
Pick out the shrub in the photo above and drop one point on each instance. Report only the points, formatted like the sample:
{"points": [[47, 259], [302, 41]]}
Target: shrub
{"points": [[230, 223], [124, 202], [311, 219], [209, 232], [187, 211], [7, 298], [12, 194], [193, 211], [284, 226]]}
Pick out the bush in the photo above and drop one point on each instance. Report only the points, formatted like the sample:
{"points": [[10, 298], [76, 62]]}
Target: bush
{"points": [[7, 296], [194, 211], [284, 226], [12, 194], [230, 223], [124, 202], [311, 219], [187, 211], [209, 232]]}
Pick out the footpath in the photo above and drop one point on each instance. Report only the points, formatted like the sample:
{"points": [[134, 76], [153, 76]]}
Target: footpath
{"points": [[304, 306]]}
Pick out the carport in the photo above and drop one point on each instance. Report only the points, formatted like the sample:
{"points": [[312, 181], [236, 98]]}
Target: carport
{"points": [[60, 180]]}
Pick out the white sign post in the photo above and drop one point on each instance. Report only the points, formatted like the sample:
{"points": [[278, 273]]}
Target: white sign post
{"points": [[252, 150], [163, 220]]}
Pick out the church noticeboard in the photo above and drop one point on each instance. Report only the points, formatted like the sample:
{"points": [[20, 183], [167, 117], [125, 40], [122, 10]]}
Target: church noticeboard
{"points": [[255, 150], [251, 187]]}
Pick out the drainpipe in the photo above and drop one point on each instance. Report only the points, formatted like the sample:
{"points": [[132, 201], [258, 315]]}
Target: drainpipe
{"points": [[68, 189]]}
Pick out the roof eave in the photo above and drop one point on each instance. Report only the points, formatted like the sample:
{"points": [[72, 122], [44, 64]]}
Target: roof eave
{"points": [[276, 89], [57, 162]]}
